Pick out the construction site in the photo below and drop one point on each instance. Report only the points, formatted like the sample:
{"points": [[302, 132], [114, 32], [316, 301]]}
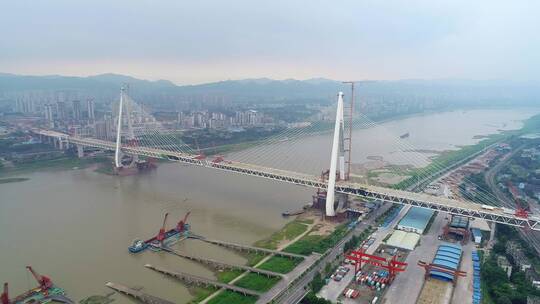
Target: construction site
{"points": [[416, 255], [412, 250]]}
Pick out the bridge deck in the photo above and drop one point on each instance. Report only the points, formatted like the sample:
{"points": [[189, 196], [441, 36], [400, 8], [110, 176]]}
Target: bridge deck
{"points": [[222, 265], [192, 279], [145, 298], [452, 206]]}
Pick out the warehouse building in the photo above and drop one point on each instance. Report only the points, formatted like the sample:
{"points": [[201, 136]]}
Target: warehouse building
{"points": [[403, 240], [448, 256], [416, 220]]}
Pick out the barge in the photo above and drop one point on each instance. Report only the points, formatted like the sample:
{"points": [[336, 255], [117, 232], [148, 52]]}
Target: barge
{"points": [[164, 237]]}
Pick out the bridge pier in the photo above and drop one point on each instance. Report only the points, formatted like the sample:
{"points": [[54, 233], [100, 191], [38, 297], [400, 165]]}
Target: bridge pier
{"points": [[137, 294], [221, 265], [198, 281], [80, 151], [58, 143]]}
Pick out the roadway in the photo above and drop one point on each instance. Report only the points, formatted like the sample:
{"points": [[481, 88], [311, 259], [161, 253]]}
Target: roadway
{"points": [[407, 286], [463, 292], [333, 289], [299, 290]]}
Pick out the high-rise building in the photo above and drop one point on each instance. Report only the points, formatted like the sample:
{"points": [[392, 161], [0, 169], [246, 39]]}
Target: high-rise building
{"points": [[49, 115], [103, 130], [61, 111], [76, 110], [200, 120], [25, 106], [91, 109]]}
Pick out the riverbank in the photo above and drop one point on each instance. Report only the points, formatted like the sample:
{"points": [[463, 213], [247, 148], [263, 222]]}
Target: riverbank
{"points": [[313, 130], [293, 232], [401, 177], [13, 180], [63, 163]]}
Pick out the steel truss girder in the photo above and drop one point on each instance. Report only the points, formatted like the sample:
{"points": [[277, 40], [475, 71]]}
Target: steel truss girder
{"points": [[532, 223]]}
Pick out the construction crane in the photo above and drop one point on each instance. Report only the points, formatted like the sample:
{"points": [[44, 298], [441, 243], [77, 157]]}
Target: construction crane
{"points": [[44, 282], [161, 234], [200, 155], [5, 295], [392, 265], [180, 227], [348, 137]]}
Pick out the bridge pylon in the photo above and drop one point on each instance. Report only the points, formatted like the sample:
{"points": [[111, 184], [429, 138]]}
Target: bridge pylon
{"points": [[123, 106], [337, 158]]}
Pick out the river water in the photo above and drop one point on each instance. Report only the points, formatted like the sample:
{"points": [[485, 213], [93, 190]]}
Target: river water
{"points": [[76, 225]]}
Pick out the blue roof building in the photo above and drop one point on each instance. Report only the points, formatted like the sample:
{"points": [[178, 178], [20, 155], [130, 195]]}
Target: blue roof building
{"points": [[415, 220], [448, 256], [477, 235]]}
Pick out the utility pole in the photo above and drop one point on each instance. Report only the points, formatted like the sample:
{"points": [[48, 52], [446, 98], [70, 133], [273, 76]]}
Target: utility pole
{"points": [[351, 112]]}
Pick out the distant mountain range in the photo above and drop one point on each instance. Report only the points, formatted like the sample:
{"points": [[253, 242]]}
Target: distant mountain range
{"points": [[269, 90]]}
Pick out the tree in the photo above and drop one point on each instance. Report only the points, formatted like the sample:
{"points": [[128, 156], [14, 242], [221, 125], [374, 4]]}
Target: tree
{"points": [[311, 298], [317, 283], [504, 300]]}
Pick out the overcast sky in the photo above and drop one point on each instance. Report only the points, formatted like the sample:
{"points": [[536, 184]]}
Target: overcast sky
{"points": [[198, 41]]}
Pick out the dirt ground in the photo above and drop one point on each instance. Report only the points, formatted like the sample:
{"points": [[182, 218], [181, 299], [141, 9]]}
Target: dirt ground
{"points": [[435, 292], [319, 227]]}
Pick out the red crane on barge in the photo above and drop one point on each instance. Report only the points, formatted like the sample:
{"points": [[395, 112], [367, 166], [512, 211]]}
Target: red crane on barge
{"points": [[44, 281], [181, 226], [162, 234], [5, 295]]}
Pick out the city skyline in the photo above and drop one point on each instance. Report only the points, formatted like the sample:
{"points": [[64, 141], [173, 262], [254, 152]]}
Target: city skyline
{"points": [[191, 43]]}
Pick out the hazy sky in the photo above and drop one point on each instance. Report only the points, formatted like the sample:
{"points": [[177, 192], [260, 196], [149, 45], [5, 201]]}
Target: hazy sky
{"points": [[198, 41]]}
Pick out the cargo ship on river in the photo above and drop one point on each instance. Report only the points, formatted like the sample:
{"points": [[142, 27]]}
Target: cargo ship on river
{"points": [[46, 292], [406, 135], [164, 237]]}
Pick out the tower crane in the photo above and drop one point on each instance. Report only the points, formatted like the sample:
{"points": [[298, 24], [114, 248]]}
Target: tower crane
{"points": [[44, 281], [180, 227], [4, 297], [161, 234]]}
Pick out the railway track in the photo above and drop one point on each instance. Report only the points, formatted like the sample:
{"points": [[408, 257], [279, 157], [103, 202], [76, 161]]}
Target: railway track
{"points": [[532, 237]]}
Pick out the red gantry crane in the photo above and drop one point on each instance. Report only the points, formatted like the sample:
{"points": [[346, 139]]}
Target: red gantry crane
{"points": [[5, 295], [429, 267], [392, 265], [180, 227], [161, 234], [44, 282]]}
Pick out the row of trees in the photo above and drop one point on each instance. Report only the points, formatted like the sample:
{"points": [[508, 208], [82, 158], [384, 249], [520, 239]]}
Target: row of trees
{"points": [[501, 288]]}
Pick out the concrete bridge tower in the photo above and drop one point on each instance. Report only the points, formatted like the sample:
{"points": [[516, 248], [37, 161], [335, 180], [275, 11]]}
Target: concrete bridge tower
{"points": [[124, 109], [337, 158]]}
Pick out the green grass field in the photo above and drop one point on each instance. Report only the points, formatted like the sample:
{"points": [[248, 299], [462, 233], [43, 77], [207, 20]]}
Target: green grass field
{"points": [[289, 232], [228, 275], [200, 293], [257, 282], [280, 264], [254, 258], [230, 297], [317, 243]]}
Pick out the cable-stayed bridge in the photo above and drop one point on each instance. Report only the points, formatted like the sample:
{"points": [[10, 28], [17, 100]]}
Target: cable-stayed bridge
{"points": [[159, 145]]}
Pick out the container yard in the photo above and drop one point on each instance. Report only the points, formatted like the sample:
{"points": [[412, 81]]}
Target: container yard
{"points": [[374, 275]]}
